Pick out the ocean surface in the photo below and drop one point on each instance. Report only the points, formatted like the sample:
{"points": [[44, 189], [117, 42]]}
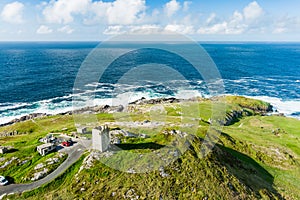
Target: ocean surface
{"points": [[38, 77]]}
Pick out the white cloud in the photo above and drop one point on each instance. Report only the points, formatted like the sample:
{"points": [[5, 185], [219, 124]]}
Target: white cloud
{"points": [[66, 29], [145, 29], [13, 12], [97, 12], [125, 11], [135, 16], [186, 5], [252, 11], [63, 11], [171, 8], [113, 13], [238, 23], [130, 15], [279, 30], [148, 29], [44, 30], [114, 30], [211, 19], [286, 24], [235, 25], [180, 28], [41, 5], [215, 29]]}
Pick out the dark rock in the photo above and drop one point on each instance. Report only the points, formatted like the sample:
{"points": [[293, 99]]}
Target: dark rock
{"points": [[24, 118], [155, 101]]}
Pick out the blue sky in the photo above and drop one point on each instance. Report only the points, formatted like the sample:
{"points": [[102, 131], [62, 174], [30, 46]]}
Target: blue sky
{"points": [[205, 20]]}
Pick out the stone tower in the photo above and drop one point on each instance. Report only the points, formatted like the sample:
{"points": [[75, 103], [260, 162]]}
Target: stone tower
{"points": [[101, 139]]}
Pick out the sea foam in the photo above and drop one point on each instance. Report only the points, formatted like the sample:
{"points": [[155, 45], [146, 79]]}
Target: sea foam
{"points": [[289, 108]]}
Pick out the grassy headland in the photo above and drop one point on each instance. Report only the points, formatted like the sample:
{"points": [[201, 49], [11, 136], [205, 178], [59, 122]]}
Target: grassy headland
{"points": [[256, 156]]}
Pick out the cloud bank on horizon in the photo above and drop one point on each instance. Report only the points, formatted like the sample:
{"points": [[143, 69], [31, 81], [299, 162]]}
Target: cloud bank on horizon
{"points": [[202, 20]]}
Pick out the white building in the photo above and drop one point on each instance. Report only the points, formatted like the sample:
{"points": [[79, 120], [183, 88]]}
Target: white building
{"points": [[46, 148], [101, 139], [3, 150], [82, 130], [48, 139]]}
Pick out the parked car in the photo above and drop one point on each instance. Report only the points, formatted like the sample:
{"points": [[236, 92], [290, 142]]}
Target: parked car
{"points": [[67, 143], [3, 180]]}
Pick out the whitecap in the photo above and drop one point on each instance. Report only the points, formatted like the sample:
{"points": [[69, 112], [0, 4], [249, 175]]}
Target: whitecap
{"points": [[239, 80], [10, 106], [94, 84], [287, 107]]}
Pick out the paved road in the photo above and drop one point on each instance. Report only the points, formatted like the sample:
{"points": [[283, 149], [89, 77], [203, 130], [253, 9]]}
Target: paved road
{"points": [[74, 153]]}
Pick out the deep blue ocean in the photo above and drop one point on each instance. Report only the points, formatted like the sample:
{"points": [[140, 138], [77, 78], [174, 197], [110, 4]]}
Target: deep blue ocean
{"points": [[38, 77]]}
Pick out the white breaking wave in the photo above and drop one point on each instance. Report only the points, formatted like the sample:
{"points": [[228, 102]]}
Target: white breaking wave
{"points": [[188, 94], [18, 110], [9, 106], [82, 100], [287, 107]]}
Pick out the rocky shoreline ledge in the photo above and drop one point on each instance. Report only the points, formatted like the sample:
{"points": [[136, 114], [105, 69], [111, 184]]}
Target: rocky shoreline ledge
{"points": [[93, 109], [230, 116]]}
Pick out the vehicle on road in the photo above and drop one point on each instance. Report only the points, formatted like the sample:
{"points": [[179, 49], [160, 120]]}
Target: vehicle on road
{"points": [[3, 180], [67, 143]]}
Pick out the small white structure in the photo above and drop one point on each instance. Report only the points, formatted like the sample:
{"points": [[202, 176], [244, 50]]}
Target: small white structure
{"points": [[3, 150], [144, 135], [46, 148], [48, 139], [101, 139], [82, 130]]}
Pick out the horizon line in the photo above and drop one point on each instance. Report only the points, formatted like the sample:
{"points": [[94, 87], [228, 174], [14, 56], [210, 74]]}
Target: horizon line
{"points": [[219, 41]]}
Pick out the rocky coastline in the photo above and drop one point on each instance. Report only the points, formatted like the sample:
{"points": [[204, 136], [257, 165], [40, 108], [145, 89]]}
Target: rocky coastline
{"points": [[230, 118]]}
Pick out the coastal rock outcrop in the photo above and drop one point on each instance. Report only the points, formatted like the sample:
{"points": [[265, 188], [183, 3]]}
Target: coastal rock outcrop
{"points": [[155, 101], [25, 118]]}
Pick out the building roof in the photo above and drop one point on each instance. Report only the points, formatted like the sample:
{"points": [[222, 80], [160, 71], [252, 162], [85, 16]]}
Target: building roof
{"points": [[45, 145], [101, 128]]}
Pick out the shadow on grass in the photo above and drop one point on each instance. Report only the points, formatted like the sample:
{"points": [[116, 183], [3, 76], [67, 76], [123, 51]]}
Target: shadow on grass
{"points": [[148, 145], [10, 179], [249, 172], [11, 150]]}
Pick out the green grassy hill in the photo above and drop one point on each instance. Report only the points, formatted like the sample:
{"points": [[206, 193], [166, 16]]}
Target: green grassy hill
{"points": [[256, 156]]}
